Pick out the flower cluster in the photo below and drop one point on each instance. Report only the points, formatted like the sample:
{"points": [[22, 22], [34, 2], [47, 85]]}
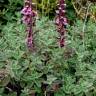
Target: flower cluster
{"points": [[29, 19], [61, 22]]}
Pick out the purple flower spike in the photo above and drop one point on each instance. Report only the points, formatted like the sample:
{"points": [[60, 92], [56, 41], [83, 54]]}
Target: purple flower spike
{"points": [[30, 43], [26, 20], [29, 19], [61, 22]]}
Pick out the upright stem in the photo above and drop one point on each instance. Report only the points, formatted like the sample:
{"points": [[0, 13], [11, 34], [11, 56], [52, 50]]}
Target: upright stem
{"points": [[84, 26]]}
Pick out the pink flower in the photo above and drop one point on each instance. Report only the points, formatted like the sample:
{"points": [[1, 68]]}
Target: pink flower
{"points": [[23, 11], [26, 11], [26, 20]]}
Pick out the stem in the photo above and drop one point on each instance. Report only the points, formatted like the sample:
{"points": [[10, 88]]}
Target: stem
{"points": [[48, 6], [45, 93], [42, 8], [84, 26]]}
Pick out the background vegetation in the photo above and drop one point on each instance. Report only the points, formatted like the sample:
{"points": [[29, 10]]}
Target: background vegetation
{"points": [[50, 71]]}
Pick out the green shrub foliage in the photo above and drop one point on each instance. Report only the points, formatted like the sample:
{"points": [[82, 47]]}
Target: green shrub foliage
{"points": [[63, 71], [8, 9], [50, 70]]}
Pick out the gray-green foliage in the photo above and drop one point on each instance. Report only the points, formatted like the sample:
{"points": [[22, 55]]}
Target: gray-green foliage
{"points": [[73, 66], [84, 78]]}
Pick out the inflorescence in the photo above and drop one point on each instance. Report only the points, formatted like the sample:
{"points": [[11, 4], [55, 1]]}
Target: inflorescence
{"points": [[29, 20], [61, 22]]}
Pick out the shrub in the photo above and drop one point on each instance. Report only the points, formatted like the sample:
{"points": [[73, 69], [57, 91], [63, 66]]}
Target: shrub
{"points": [[50, 70]]}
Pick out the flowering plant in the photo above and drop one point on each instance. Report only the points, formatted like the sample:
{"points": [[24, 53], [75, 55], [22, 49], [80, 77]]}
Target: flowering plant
{"points": [[29, 19], [61, 21]]}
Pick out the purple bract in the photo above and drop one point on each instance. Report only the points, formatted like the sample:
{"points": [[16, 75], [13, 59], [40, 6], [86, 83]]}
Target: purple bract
{"points": [[61, 22], [29, 19]]}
